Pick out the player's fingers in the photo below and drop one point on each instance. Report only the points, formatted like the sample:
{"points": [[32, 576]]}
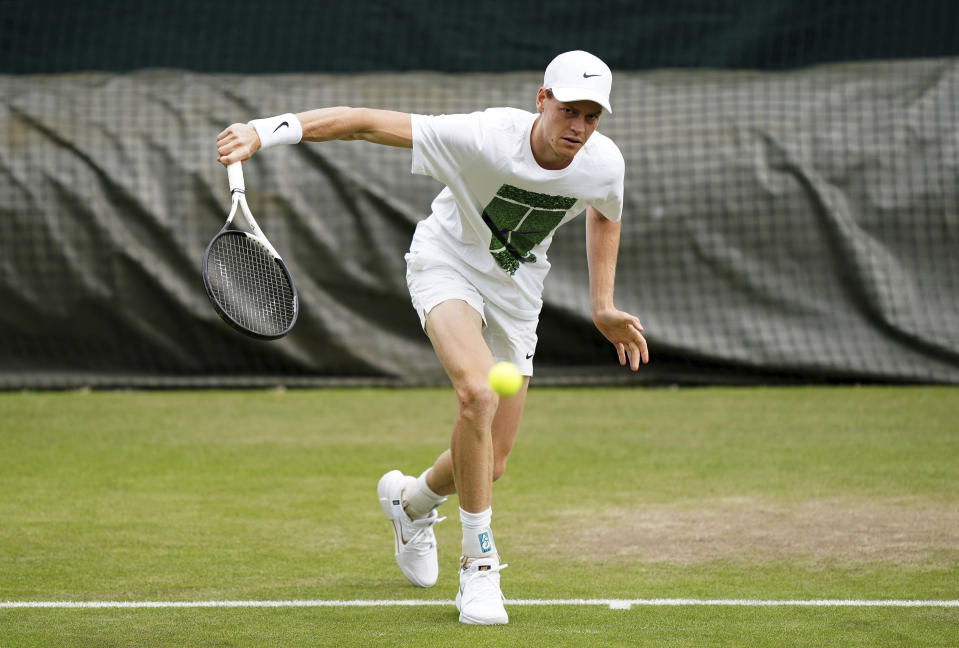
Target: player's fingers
{"points": [[227, 147], [643, 350], [636, 324], [634, 357], [223, 154], [621, 352], [233, 153], [226, 136]]}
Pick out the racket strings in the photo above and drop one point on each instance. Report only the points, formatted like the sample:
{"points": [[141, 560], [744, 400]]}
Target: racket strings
{"points": [[250, 285]]}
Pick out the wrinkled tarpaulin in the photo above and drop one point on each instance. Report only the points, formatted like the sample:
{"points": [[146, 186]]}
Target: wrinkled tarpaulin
{"points": [[800, 225]]}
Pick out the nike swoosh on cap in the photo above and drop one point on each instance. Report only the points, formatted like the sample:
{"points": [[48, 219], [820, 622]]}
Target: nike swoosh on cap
{"points": [[587, 76]]}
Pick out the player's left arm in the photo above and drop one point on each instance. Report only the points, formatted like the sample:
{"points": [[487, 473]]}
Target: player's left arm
{"points": [[623, 330]]}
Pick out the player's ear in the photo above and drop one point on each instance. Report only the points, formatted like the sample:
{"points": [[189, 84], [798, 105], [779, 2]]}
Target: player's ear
{"points": [[541, 99]]}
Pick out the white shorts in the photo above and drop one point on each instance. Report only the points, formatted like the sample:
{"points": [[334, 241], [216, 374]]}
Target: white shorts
{"points": [[508, 337]]}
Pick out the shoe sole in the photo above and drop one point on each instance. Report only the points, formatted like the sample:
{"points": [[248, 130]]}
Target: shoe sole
{"points": [[464, 618], [471, 621]]}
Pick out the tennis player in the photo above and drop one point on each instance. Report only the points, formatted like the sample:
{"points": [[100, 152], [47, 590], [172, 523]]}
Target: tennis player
{"points": [[475, 272]]}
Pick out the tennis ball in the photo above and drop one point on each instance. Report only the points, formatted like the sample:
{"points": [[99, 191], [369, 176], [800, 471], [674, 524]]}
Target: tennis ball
{"points": [[505, 378]]}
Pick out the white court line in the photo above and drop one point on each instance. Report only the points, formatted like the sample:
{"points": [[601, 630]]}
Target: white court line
{"points": [[613, 604]]}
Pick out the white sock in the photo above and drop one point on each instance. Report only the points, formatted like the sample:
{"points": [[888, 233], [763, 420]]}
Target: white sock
{"points": [[419, 500], [477, 536]]}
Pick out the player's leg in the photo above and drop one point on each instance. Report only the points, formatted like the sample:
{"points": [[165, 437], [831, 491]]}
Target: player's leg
{"points": [[505, 427], [438, 480], [450, 310], [433, 284], [508, 338], [456, 331]]}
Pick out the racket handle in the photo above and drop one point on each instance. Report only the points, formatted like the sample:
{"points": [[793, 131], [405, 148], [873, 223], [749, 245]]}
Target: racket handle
{"points": [[234, 172]]}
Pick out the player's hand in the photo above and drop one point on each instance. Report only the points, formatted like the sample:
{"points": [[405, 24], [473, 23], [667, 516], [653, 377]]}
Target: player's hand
{"points": [[625, 332], [237, 143]]}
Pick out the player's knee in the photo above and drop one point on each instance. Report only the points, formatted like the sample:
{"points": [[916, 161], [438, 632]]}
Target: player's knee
{"points": [[477, 402]]}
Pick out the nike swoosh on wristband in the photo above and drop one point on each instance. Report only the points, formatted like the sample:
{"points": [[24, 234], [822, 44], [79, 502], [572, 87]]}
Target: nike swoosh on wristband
{"points": [[587, 76], [282, 124]]}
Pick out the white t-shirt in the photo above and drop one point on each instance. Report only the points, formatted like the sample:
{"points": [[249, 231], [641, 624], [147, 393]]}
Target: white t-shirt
{"points": [[496, 217]]}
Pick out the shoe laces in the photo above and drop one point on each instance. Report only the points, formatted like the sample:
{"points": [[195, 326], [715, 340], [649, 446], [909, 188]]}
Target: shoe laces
{"points": [[481, 584], [421, 539]]}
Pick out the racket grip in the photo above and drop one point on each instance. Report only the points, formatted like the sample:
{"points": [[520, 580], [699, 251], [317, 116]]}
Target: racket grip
{"points": [[234, 172]]}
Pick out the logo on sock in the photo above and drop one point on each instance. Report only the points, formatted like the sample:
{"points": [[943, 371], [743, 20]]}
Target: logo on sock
{"points": [[485, 544]]}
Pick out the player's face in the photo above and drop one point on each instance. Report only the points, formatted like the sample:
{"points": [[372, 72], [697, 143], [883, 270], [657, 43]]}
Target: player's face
{"points": [[563, 128]]}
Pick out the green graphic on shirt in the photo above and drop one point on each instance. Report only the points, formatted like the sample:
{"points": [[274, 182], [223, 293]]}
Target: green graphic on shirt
{"points": [[520, 220]]}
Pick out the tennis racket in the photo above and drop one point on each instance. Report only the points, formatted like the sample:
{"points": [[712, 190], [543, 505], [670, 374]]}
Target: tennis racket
{"points": [[244, 276]]}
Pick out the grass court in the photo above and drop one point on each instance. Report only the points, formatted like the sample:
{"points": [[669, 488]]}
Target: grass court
{"points": [[763, 494]]}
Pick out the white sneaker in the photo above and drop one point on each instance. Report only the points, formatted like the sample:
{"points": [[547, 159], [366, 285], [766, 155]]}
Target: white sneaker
{"points": [[479, 599], [415, 543]]}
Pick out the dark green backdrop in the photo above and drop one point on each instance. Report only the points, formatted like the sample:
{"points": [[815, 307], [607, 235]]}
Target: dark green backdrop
{"points": [[51, 36]]}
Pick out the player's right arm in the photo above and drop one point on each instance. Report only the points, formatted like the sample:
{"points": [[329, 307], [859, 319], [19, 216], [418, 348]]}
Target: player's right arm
{"points": [[239, 142], [386, 127]]}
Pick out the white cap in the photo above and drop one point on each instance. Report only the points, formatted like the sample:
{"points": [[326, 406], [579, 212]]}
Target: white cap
{"points": [[579, 76]]}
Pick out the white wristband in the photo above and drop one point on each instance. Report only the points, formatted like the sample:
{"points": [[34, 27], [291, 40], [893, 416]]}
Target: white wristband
{"points": [[282, 129]]}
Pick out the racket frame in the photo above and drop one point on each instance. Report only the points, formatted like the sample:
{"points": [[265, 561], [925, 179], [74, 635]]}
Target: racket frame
{"points": [[241, 221]]}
